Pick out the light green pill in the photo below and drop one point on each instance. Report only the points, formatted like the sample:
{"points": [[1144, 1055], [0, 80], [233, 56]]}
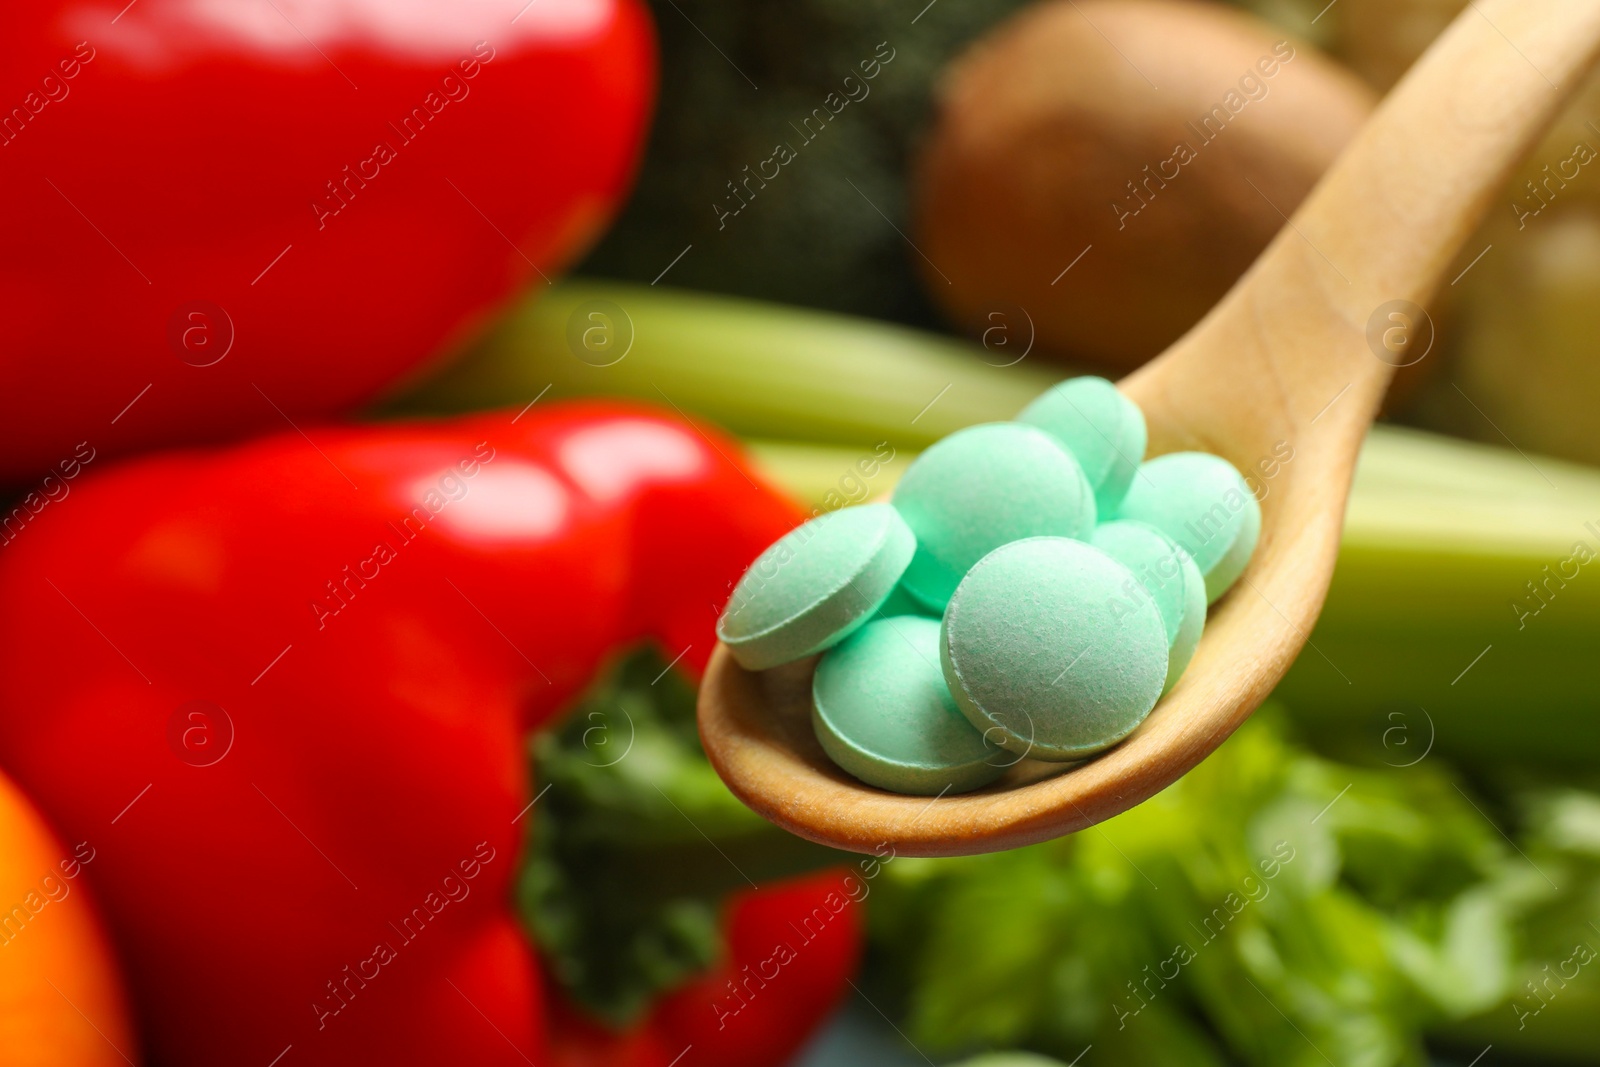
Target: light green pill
{"points": [[1165, 573], [810, 589], [983, 487], [882, 711], [1201, 502], [1042, 647], [1103, 429]]}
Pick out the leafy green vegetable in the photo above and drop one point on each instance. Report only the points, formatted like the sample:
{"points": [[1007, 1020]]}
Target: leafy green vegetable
{"points": [[636, 842], [1555, 994], [1272, 907]]}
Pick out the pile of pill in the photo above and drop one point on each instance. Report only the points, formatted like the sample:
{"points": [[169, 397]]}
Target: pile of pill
{"points": [[1031, 591]]}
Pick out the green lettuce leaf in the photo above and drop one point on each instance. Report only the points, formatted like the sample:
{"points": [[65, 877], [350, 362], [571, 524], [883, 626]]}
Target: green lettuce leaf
{"points": [[1272, 907]]}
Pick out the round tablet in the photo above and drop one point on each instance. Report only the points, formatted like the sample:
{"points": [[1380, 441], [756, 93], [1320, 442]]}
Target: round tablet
{"points": [[1042, 641], [1201, 502], [1101, 427], [1168, 575], [983, 487], [815, 585], [882, 712]]}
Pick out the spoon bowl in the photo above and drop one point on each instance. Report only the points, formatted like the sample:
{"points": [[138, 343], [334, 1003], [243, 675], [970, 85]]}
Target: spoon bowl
{"points": [[1282, 378]]}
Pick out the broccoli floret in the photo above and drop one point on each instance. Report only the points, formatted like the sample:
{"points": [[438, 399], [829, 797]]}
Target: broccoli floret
{"points": [[739, 80]]}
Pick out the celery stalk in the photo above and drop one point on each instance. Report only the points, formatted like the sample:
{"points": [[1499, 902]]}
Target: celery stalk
{"points": [[754, 368], [1431, 608]]}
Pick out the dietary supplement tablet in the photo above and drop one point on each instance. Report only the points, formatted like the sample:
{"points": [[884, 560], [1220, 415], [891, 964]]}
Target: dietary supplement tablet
{"points": [[980, 488], [1103, 429], [1201, 502], [814, 586], [1165, 572], [1042, 641], [882, 711]]}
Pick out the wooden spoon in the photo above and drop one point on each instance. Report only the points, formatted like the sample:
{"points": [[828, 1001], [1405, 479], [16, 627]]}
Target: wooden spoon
{"points": [[1283, 365]]}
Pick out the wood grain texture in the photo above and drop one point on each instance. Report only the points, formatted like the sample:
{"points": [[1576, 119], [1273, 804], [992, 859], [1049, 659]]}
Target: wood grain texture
{"points": [[1282, 361]]}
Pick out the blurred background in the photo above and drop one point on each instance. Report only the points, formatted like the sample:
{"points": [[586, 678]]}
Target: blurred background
{"points": [[858, 225]]}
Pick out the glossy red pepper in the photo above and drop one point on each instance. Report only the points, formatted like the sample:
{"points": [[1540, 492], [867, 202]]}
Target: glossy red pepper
{"points": [[219, 215], [283, 690]]}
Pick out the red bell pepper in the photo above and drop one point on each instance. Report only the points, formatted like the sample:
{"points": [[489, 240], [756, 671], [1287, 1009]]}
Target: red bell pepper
{"points": [[219, 215], [284, 689]]}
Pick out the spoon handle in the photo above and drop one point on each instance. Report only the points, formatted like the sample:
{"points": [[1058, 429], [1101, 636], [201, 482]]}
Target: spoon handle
{"points": [[1386, 221]]}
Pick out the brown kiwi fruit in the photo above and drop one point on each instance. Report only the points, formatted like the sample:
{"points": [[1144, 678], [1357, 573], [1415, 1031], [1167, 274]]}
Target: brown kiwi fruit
{"points": [[1065, 130]]}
